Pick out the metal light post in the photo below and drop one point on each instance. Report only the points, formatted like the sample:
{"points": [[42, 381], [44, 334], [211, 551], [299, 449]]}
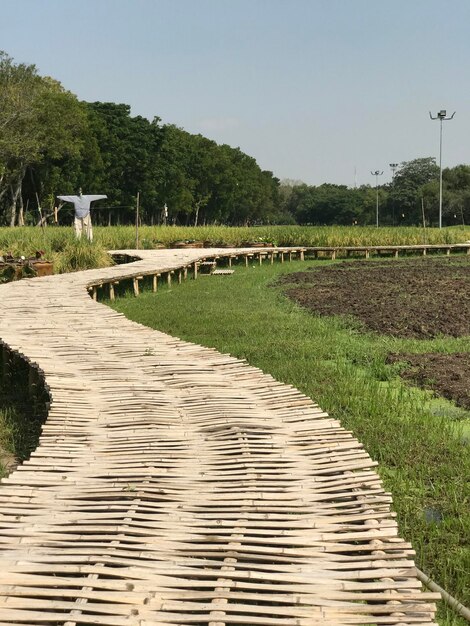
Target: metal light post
{"points": [[377, 173], [393, 167], [441, 116]]}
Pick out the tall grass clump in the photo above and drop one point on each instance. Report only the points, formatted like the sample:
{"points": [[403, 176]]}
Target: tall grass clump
{"points": [[80, 255]]}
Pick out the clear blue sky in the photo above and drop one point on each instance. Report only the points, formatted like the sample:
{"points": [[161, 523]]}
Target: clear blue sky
{"points": [[311, 88]]}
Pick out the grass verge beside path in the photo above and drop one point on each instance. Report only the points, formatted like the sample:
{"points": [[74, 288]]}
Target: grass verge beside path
{"points": [[419, 442], [21, 417]]}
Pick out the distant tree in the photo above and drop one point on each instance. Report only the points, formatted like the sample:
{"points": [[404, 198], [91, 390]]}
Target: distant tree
{"points": [[407, 188], [456, 195], [332, 204]]}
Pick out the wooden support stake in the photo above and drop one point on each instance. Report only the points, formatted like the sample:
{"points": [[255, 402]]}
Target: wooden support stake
{"points": [[185, 272], [290, 255], [396, 254], [180, 277], [230, 261], [135, 282], [195, 269], [302, 255], [367, 254], [111, 291], [260, 258], [168, 279], [95, 293], [271, 258], [282, 257], [246, 260], [155, 283]]}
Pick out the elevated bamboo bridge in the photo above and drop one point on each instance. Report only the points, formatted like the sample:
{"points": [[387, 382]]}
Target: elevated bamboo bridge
{"points": [[173, 484]]}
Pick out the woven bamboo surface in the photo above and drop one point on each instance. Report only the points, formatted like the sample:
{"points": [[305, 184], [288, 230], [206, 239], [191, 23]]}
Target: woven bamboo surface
{"points": [[177, 485]]}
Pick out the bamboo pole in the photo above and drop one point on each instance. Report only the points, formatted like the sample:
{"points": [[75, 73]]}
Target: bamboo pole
{"points": [[137, 221], [447, 598]]}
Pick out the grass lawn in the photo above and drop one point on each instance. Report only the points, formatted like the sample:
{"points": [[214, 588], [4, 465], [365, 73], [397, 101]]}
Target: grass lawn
{"points": [[421, 443]]}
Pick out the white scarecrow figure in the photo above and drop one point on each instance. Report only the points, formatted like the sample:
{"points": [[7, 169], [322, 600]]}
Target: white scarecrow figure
{"points": [[82, 219]]}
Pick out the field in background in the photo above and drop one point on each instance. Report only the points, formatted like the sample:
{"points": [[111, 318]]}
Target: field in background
{"points": [[421, 443], [60, 246]]}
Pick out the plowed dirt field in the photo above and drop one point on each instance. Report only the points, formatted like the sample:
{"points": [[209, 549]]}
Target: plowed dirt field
{"points": [[409, 298]]}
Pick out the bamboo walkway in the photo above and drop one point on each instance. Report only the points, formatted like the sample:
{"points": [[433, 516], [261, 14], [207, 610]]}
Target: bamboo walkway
{"points": [[177, 485]]}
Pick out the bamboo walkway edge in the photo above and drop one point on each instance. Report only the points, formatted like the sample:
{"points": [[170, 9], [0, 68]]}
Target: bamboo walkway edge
{"points": [[173, 484]]}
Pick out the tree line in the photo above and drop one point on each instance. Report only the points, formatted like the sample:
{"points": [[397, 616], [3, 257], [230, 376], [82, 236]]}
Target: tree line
{"points": [[411, 198], [52, 143]]}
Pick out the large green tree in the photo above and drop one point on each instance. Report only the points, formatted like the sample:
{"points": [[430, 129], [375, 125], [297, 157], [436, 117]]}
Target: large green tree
{"points": [[39, 120]]}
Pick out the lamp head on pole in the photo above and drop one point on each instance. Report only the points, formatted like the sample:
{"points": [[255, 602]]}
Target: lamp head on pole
{"points": [[441, 115]]}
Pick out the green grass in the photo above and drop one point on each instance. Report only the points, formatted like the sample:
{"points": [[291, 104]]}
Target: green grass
{"points": [[419, 442]]}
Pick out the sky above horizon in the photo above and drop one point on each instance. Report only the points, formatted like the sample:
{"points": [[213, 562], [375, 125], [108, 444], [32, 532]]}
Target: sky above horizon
{"points": [[314, 90]]}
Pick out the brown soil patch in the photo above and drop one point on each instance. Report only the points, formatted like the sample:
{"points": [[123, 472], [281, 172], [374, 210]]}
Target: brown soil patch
{"points": [[414, 298], [446, 374]]}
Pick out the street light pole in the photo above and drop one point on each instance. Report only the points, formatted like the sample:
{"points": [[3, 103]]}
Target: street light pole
{"points": [[441, 116], [377, 173]]}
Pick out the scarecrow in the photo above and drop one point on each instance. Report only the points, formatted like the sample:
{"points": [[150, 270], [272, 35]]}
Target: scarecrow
{"points": [[82, 221]]}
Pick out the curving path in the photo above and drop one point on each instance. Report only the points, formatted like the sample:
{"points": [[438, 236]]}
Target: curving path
{"points": [[177, 485]]}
